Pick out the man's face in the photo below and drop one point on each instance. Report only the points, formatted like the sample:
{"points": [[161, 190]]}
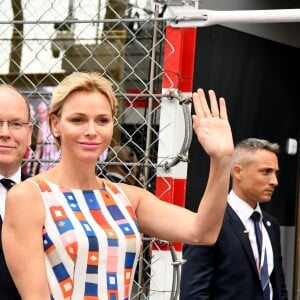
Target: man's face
{"points": [[255, 182], [14, 140]]}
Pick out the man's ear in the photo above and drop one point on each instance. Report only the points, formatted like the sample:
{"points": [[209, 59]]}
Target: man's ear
{"points": [[237, 171]]}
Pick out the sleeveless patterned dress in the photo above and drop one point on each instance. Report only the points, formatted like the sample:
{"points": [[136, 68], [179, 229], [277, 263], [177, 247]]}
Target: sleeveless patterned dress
{"points": [[91, 242]]}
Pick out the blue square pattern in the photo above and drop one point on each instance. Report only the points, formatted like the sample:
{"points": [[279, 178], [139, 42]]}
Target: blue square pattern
{"points": [[112, 296], [91, 200], [64, 225], [126, 228], [88, 229], [112, 283], [115, 212], [92, 269], [47, 241], [60, 272], [91, 289], [72, 202], [93, 243], [112, 242], [129, 259]]}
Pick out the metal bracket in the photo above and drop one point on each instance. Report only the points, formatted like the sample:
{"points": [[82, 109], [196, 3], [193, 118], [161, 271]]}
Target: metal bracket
{"points": [[182, 155]]}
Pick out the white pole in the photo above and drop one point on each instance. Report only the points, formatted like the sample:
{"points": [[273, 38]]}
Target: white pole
{"points": [[188, 16]]}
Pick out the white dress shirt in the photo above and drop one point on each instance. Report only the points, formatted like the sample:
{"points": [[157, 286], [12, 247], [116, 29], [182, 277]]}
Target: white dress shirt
{"points": [[244, 211], [17, 179]]}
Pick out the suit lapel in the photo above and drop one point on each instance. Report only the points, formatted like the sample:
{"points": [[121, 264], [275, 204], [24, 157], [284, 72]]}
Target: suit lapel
{"points": [[241, 232], [268, 226], [24, 176], [272, 235]]}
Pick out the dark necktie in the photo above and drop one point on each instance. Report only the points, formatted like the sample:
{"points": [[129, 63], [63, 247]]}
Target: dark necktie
{"points": [[263, 270], [7, 183]]}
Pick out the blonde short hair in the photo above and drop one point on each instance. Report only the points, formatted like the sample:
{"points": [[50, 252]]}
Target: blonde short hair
{"points": [[80, 81]]}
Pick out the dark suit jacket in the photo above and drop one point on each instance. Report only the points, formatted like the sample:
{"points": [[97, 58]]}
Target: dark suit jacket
{"points": [[8, 290], [227, 270]]}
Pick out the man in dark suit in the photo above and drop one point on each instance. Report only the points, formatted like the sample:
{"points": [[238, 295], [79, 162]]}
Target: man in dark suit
{"points": [[15, 138], [232, 269]]}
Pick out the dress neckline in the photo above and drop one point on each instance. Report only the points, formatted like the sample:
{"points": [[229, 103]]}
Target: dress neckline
{"points": [[62, 187]]}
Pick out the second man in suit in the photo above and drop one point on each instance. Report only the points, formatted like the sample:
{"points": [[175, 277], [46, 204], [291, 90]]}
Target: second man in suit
{"points": [[15, 138], [231, 269]]}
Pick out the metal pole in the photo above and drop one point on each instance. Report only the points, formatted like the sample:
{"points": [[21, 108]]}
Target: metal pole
{"points": [[188, 16], [149, 120]]}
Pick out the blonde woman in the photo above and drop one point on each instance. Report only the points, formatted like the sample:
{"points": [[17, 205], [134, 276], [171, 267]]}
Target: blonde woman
{"points": [[69, 234]]}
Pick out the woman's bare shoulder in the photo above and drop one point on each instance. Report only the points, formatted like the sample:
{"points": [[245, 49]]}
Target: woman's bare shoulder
{"points": [[24, 205], [27, 189]]}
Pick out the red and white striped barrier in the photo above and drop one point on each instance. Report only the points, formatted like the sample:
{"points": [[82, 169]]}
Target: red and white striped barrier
{"points": [[171, 183]]}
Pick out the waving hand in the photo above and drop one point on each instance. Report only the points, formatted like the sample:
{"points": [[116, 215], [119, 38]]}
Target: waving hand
{"points": [[211, 124]]}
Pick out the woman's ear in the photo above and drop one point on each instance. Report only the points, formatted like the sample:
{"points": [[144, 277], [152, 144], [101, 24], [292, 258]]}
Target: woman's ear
{"points": [[54, 125]]}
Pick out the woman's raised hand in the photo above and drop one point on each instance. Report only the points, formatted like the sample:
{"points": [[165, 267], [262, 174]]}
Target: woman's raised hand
{"points": [[211, 124]]}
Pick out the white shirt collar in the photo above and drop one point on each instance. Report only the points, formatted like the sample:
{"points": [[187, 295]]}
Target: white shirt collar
{"points": [[15, 177], [243, 209]]}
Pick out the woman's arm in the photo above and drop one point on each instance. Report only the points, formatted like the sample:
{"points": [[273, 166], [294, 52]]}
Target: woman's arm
{"points": [[23, 243], [174, 223]]}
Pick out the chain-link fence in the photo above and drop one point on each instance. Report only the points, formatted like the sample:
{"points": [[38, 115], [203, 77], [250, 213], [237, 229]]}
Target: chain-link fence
{"points": [[43, 40]]}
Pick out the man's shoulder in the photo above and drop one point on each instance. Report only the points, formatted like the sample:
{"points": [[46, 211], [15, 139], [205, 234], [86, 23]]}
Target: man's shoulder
{"points": [[24, 176]]}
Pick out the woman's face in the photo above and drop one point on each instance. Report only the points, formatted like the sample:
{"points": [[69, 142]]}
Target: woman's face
{"points": [[85, 126]]}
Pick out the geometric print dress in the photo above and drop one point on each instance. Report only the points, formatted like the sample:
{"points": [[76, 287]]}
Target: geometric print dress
{"points": [[91, 242]]}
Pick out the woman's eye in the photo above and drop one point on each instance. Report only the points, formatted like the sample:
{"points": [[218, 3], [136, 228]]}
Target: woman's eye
{"points": [[77, 120], [102, 121]]}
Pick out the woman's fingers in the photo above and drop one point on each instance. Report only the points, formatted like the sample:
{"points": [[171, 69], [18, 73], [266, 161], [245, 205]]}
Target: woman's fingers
{"points": [[214, 109], [223, 109], [202, 108], [200, 104]]}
